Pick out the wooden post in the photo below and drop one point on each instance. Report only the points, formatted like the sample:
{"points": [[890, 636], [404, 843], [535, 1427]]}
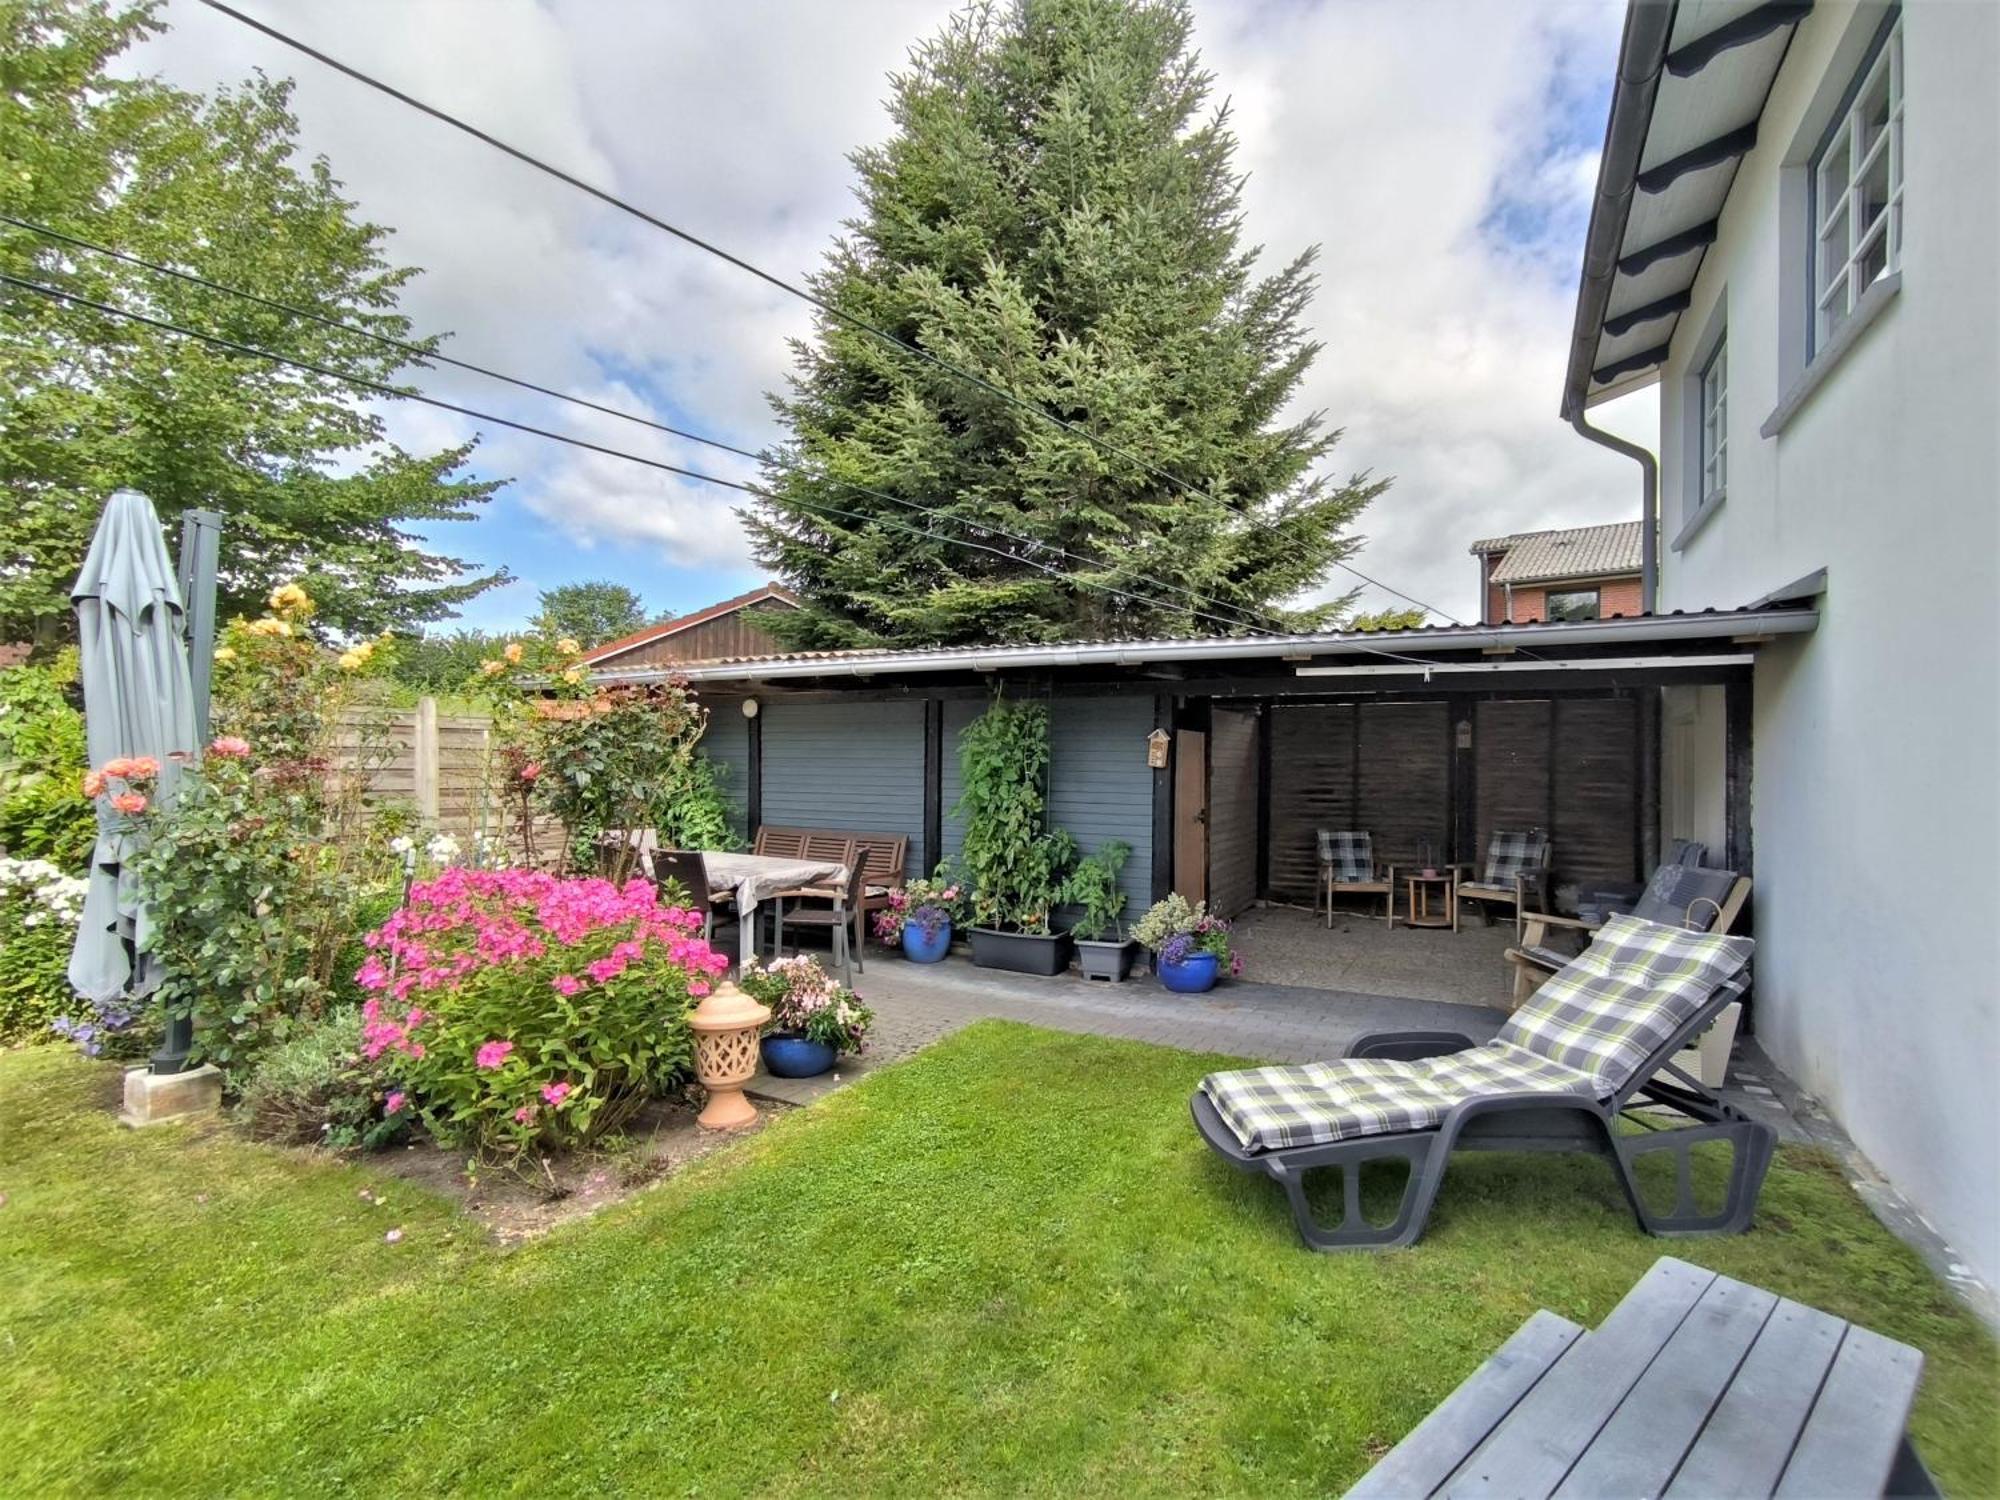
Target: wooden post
{"points": [[424, 754], [933, 784]]}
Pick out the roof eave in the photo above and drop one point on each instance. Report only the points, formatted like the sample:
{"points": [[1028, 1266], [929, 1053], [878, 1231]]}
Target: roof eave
{"points": [[1708, 625], [1642, 55]]}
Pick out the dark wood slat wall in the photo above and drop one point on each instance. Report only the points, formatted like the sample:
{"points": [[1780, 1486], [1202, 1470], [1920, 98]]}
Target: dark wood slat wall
{"points": [[1405, 781], [1566, 765], [1312, 787], [1511, 790], [1232, 811], [1596, 757]]}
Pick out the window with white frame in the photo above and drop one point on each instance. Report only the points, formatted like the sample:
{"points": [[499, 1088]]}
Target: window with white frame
{"points": [[1714, 430], [1857, 188]]}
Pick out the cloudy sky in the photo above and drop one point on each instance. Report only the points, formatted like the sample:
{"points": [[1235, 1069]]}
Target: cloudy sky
{"points": [[1441, 153]]}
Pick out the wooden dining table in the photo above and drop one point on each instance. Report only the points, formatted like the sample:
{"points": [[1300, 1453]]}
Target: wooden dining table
{"points": [[751, 878]]}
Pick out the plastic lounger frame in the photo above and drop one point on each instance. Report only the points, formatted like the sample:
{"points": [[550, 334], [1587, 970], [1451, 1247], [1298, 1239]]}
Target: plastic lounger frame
{"points": [[1521, 1122]]}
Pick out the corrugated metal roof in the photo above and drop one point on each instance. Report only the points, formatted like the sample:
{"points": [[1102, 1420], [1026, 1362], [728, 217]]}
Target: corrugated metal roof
{"points": [[1571, 552], [1707, 624]]}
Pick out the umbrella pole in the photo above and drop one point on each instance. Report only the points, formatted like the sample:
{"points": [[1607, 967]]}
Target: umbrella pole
{"points": [[201, 533]]}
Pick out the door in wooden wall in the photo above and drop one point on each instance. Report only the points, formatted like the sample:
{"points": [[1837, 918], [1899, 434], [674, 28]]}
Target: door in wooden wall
{"points": [[1232, 811], [1191, 814]]}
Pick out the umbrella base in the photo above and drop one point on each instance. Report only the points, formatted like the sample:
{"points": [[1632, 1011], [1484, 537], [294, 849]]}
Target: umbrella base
{"points": [[155, 1098]]}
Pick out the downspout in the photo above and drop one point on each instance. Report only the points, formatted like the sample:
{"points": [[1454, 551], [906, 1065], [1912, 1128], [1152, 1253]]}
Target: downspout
{"points": [[1649, 504], [1642, 56]]}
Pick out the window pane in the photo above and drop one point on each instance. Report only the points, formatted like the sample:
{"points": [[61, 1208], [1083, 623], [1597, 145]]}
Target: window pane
{"points": [[1574, 604]]}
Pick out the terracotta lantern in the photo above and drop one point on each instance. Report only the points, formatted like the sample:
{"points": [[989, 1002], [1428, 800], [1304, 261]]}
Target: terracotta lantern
{"points": [[726, 1025]]}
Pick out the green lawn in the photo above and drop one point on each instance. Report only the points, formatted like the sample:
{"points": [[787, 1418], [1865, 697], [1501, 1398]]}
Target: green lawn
{"points": [[1006, 1265]]}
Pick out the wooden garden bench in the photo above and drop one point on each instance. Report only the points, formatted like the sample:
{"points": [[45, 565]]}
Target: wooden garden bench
{"points": [[1694, 1386], [881, 874]]}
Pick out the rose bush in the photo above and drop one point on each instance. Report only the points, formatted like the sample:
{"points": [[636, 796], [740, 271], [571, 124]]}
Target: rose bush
{"points": [[513, 1009]]}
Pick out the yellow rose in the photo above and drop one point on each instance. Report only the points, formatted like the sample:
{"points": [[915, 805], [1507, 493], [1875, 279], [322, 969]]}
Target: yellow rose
{"points": [[351, 661], [493, 668], [290, 599], [569, 646], [575, 675], [361, 650], [270, 626], [513, 652], [225, 653]]}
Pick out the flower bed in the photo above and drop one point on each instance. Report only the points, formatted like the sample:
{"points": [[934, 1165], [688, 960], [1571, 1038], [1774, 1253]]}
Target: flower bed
{"points": [[39, 907], [511, 1008]]}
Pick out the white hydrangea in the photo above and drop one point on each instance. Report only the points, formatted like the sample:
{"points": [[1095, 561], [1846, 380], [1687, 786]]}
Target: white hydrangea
{"points": [[58, 896], [402, 843], [442, 848]]}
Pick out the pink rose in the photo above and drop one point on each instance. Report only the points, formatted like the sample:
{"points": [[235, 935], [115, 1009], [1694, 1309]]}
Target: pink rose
{"points": [[531, 770], [93, 783], [523, 1115], [129, 803], [493, 1054], [229, 747]]}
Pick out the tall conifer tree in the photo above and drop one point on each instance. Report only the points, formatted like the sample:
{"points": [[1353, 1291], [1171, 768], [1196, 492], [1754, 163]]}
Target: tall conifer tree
{"points": [[1059, 213]]}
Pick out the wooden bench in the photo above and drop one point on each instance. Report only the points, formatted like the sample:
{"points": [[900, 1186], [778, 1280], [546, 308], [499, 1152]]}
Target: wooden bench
{"points": [[1695, 1385], [883, 873]]}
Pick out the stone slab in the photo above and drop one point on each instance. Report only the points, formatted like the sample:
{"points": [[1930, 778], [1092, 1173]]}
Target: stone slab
{"points": [[156, 1098]]}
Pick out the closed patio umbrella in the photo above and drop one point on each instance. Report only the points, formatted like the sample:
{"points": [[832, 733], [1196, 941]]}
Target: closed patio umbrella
{"points": [[138, 699]]}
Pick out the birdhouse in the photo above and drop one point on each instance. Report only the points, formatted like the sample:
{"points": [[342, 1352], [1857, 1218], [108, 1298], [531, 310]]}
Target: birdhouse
{"points": [[1156, 749]]}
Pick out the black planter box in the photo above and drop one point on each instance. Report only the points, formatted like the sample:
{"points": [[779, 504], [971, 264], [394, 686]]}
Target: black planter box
{"points": [[1021, 952], [1108, 961]]}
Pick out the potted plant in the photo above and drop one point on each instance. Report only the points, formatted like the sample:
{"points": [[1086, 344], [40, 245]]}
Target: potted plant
{"points": [[813, 1019], [920, 917], [1190, 946], [1093, 885], [1013, 860]]}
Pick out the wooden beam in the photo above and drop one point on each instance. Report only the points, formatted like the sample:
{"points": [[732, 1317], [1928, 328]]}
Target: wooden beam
{"points": [[1163, 805], [1685, 62], [1708, 154], [1631, 362], [1668, 248], [933, 784], [1625, 322], [753, 783]]}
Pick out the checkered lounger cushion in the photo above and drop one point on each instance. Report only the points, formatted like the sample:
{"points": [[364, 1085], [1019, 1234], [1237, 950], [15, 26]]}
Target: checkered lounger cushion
{"points": [[1350, 855], [1272, 1108], [1514, 854], [1616, 1003], [1587, 1031]]}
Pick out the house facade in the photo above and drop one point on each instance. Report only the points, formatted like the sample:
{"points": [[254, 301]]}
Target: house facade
{"points": [[1578, 573], [1794, 239], [730, 628]]}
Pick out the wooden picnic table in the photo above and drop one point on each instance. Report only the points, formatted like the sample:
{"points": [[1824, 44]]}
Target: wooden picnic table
{"points": [[1695, 1386]]}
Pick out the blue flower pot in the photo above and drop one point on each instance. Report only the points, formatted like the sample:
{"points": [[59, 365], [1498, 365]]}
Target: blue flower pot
{"points": [[796, 1057], [919, 949], [1191, 975]]}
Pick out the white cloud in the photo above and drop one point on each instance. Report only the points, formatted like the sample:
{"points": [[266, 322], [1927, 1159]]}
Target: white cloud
{"points": [[1383, 131]]}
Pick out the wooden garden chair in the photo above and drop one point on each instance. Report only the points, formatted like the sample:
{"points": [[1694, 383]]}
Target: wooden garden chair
{"points": [[1347, 867]]}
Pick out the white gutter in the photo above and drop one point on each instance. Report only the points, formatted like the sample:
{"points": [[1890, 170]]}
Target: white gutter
{"points": [[1574, 664], [1639, 629]]}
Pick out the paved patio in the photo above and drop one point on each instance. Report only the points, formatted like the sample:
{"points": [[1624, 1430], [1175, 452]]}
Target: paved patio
{"points": [[1360, 953]]}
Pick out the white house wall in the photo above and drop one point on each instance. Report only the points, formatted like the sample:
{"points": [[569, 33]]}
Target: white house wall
{"points": [[1877, 739]]}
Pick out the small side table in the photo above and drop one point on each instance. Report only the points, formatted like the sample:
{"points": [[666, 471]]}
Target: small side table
{"points": [[1420, 889]]}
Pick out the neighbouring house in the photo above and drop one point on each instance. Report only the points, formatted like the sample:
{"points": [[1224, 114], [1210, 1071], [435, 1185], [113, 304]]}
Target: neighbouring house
{"points": [[1793, 239], [730, 628], [1578, 573]]}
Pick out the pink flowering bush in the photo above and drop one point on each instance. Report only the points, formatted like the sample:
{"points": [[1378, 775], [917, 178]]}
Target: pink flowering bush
{"points": [[514, 1008]]}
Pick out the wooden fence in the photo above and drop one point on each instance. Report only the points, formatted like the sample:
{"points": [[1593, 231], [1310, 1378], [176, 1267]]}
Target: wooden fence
{"points": [[442, 768]]}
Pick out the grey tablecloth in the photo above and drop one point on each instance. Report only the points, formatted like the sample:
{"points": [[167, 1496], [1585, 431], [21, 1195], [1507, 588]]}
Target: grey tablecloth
{"points": [[752, 877]]}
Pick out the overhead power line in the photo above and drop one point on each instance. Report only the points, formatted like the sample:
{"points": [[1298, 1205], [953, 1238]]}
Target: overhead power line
{"points": [[770, 278], [384, 389], [1250, 620]]}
